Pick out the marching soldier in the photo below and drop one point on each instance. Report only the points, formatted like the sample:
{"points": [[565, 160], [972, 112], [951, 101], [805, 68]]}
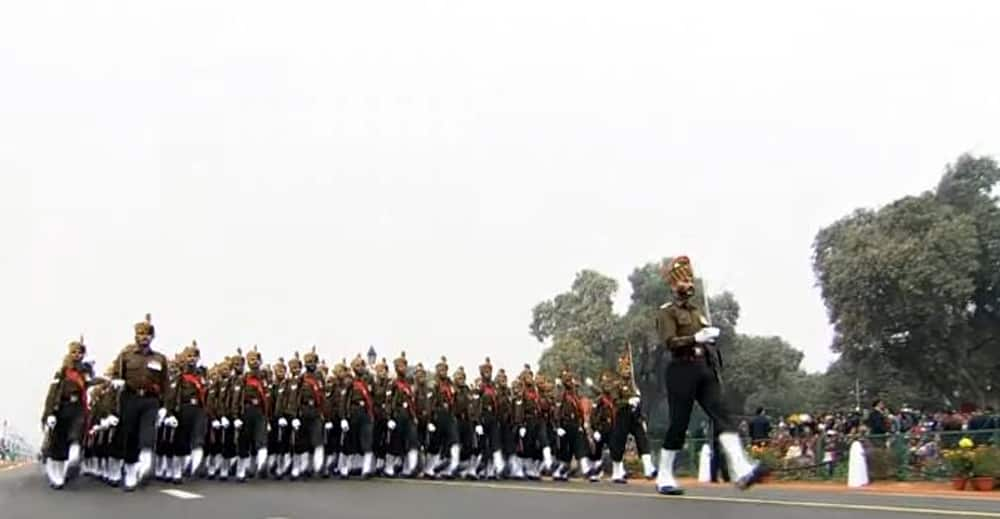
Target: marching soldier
{"points": [[487, 406], [309, 422], [186, 408], [603, 420], [403, 422], [570, 430], [466, 423], [109, 455], [218, 390], [230, 449], [691, 376], [277, 438], [629, 421], [335, 393], [360, 408], [505, 422], [141, 374], [165, 429], [445, 427], [423, 396], [65, 416], [547, 407], [251, 412], [288, 408], [381, 391]]}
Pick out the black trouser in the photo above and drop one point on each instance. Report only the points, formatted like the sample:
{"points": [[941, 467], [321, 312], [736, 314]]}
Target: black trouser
{"points": [[310, 434], [573, 443], [405, 437], [165, 440], [333, 437], [508, 439], [231, 439], [491, 439], [380, 433], [628, 420], [280, 437], [446, 434], [137, 430], [467, 438], [253, 434], [363, 431], [597, 453], [687, 382], [191, 426], [536, 438], [68, 430], [215, 441]]}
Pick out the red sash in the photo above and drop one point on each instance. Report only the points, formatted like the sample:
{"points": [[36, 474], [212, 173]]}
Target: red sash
{"points": [[401, 385], [574, 402], [490, 392], [76, 378], [254, 382], [362, 387], [195, 381], [606, 400], [314, 387], [447, 392]]}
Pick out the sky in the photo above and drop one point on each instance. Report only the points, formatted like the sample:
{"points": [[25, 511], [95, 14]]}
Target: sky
{"points": [[418, 175]]}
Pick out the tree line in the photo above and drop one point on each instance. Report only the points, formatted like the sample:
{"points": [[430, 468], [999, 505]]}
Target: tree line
{"points": [[912, 290]]}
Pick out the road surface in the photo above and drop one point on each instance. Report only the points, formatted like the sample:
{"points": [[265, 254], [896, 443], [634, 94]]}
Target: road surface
{"points": [[24, 495]]}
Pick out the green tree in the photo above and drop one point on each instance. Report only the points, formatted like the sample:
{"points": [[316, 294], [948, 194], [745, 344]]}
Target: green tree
{"points": [[585, 314], [917, 282]]}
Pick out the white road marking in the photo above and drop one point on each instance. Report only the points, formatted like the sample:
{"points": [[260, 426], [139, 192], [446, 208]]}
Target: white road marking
{"points": [[718, 499], [180, 494]]}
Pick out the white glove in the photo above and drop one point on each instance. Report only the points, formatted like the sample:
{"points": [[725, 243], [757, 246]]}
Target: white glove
{"points": [[171, 421], [597, 436], [282, 422], [296, 423], [479, 430], [225, 422], [522, 432], [237, 423], [50, 421], [431, 427], [328, 426], [709, 334], [634, 401], [392, 425], [268, 427], [112, 421], [117, 384], [561, 432], [344, 426], [161, 414], [216, 424]]}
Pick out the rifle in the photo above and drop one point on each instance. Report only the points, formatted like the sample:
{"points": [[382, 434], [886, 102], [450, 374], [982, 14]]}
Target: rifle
{"points": [[713, 354]]}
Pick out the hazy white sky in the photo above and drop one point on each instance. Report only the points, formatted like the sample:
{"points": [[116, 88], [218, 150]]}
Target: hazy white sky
{"points": [[419, 174]]}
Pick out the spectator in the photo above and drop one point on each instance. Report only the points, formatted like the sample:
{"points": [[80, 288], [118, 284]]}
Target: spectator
{"points": [[980, 421], [877, 419], [760, 427]]}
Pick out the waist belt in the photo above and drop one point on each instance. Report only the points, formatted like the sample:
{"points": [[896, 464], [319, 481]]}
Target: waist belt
{"points": [[143, 392], [692, 354], [252, 401]]}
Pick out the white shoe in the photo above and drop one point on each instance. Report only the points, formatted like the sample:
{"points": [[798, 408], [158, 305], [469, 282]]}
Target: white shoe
{"points": [[390, 466], [665, 481], [132, 471], [618, 472], [366, 464], [145, 464]]}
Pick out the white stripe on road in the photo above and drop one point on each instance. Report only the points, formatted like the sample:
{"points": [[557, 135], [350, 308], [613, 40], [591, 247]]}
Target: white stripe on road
{"points": [[180, 494], [719, 499]]}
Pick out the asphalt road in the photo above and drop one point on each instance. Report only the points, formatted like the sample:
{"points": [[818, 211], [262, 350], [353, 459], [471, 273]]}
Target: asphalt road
{"points": [[24, 494]]}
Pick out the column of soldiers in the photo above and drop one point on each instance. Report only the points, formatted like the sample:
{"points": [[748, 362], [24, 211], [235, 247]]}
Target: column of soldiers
{"points": [[173, 419]]}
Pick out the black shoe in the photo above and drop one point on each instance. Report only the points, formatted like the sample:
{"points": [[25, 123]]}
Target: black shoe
{"points": [[754, 477], [670, 491]]}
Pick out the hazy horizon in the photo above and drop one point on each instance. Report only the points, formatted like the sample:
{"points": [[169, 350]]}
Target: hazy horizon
{"points": [[418, 177]]}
